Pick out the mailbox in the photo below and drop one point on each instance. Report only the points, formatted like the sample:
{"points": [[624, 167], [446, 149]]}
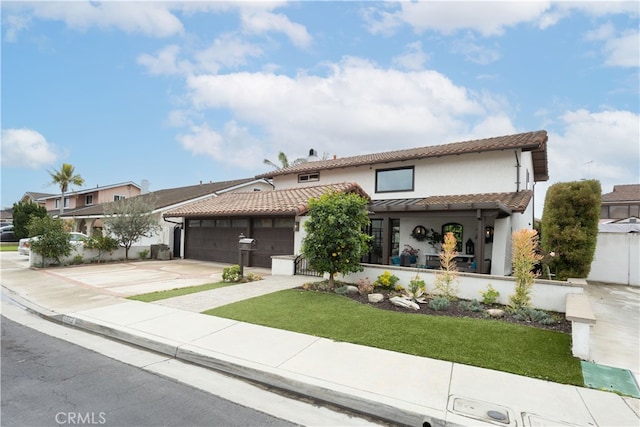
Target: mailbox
{"points": [[247, 244]]}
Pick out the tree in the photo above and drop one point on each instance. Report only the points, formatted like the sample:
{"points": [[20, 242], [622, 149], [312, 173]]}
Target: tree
{"points": [[131, 219], [64, 178], [53, 241], [570, 227], [284, 161], [23, 212], [335, 240]]}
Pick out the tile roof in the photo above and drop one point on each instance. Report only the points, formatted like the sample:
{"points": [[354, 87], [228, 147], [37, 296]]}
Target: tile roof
{"points": [[168, 197], [507, 202], [623, 193], [530, 141], [291, 201]]}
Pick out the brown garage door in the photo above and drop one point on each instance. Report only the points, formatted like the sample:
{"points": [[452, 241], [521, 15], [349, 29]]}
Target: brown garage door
{"points": [[274, 236], [214, 239], [217, 239]]}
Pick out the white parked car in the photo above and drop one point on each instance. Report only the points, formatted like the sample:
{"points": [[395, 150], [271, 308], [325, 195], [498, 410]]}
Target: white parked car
{"points": [[24, 246]]}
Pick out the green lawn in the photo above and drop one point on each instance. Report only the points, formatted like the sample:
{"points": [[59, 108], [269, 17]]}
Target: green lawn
{"points": [[486, 343], [9, 248], [155, 296]]}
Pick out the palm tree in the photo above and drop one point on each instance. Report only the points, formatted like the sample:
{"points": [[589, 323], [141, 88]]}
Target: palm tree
{"points": [[284, 162], [65, 177]]}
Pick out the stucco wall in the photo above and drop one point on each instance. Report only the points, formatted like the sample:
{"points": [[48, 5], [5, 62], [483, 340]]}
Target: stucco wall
{"points": [[617, 259]]}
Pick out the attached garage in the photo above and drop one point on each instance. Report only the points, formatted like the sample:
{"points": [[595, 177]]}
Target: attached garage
{"points": [[216, 239], [212, 226]]}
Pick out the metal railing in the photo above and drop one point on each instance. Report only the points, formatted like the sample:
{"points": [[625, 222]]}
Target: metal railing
{"points": [[302, 268]]}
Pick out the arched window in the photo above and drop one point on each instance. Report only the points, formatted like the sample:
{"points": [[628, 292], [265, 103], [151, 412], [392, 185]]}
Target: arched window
{"points": [[456, 229]]}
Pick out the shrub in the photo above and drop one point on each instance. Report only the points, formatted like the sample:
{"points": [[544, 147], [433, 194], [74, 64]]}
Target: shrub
{"points": [[143, 254], [231, 274], [439, 303], [53, 241], [529, 314], [416, 288], [524, 259], [342, 290], [252, 277], [364, 286], [473, 305], [77, 259], [490, 296], [446, 282], [103, 244], [387, 280]]}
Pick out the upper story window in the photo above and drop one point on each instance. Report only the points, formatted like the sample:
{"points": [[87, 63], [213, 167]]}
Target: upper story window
{"points": [[400, 179], [309, 177], [117, 197], [88, 199], [57, 203]]}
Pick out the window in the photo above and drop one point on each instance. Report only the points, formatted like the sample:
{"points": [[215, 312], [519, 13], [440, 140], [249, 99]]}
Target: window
{"points": [[118, 197], [193, 223], [263, 223], [309, 177], [456, 229], [388, 180], [88, 200], [283, 222], [56, 203]]}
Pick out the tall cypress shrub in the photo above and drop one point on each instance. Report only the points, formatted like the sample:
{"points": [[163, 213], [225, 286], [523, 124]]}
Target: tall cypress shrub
{"points": [[570, 227]]}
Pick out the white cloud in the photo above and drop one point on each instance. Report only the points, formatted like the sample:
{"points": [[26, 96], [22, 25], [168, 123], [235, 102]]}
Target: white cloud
{"points": [[474, 52], [488, 19], [596, 145], [259, 21], [203, 140], [164, 62], [25, 148], [357, 107], [623, 51], [603, 32], [149, 18], [412, 58], [228, 51]]}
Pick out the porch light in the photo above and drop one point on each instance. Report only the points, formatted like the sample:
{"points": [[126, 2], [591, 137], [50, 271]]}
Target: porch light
{"points": [[488, 234]]}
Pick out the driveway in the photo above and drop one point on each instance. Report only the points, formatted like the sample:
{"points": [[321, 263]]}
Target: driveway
{"points": [[615, 338]]}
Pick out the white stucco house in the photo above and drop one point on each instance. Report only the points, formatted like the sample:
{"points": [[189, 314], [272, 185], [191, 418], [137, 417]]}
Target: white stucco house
{"points": [[481, 190]]}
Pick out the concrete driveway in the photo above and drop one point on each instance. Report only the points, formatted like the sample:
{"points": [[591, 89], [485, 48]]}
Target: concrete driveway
{"points": [[615, 338]]}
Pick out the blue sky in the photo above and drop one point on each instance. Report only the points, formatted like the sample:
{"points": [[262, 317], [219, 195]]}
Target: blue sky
{"points": [[182, 92]]}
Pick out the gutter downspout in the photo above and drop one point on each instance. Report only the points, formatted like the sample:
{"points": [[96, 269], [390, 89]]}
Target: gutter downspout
{"points": [[517, 171]]}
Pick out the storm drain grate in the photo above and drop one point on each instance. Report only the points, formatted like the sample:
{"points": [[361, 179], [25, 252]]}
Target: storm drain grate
{"points": [[608, 378]]}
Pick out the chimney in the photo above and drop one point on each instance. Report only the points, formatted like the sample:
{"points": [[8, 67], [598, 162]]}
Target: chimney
{"points": [[313, 155], [144, 186]]}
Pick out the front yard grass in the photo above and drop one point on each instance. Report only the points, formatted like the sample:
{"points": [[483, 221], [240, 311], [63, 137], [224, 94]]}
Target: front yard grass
{"points": [[486, 343], [159, 295], [9, 248]]}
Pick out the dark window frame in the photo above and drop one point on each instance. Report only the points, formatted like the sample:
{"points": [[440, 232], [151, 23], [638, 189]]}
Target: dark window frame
{"points": [[404, 168]]}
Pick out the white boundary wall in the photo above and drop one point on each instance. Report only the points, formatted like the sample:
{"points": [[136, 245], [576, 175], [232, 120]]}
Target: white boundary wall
{"points": [[91, 255], [617, 259]]}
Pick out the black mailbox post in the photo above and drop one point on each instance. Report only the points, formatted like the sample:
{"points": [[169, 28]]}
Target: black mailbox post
{"points": [[245, 244]]}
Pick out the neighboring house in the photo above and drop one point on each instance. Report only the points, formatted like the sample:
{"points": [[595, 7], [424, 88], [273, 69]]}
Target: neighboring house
{"points": [[623, 202], [89, 220], [481, 190], [90, 197], [618, 246], [31, 196]]}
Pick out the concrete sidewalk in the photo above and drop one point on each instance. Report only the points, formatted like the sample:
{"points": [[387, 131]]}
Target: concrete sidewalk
{"points": [[397, 387]]}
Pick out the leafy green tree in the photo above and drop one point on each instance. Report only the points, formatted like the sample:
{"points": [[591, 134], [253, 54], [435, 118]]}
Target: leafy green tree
{"points": [[129, 220], [570, 227], [335, 240], [53, 241], [284, 161], [22, 214], [64, 177]]}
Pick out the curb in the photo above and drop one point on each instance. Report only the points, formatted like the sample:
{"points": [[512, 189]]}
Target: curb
{"points": [[267, 377]]}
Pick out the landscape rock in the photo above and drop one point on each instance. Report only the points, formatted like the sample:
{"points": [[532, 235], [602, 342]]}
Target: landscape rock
{"points": [[403, 302], [352, 289], [495, 312], [375, 298]]}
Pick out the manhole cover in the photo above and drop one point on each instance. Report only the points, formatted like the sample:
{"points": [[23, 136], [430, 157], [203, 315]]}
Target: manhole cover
{"points": [[498, 416]]}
